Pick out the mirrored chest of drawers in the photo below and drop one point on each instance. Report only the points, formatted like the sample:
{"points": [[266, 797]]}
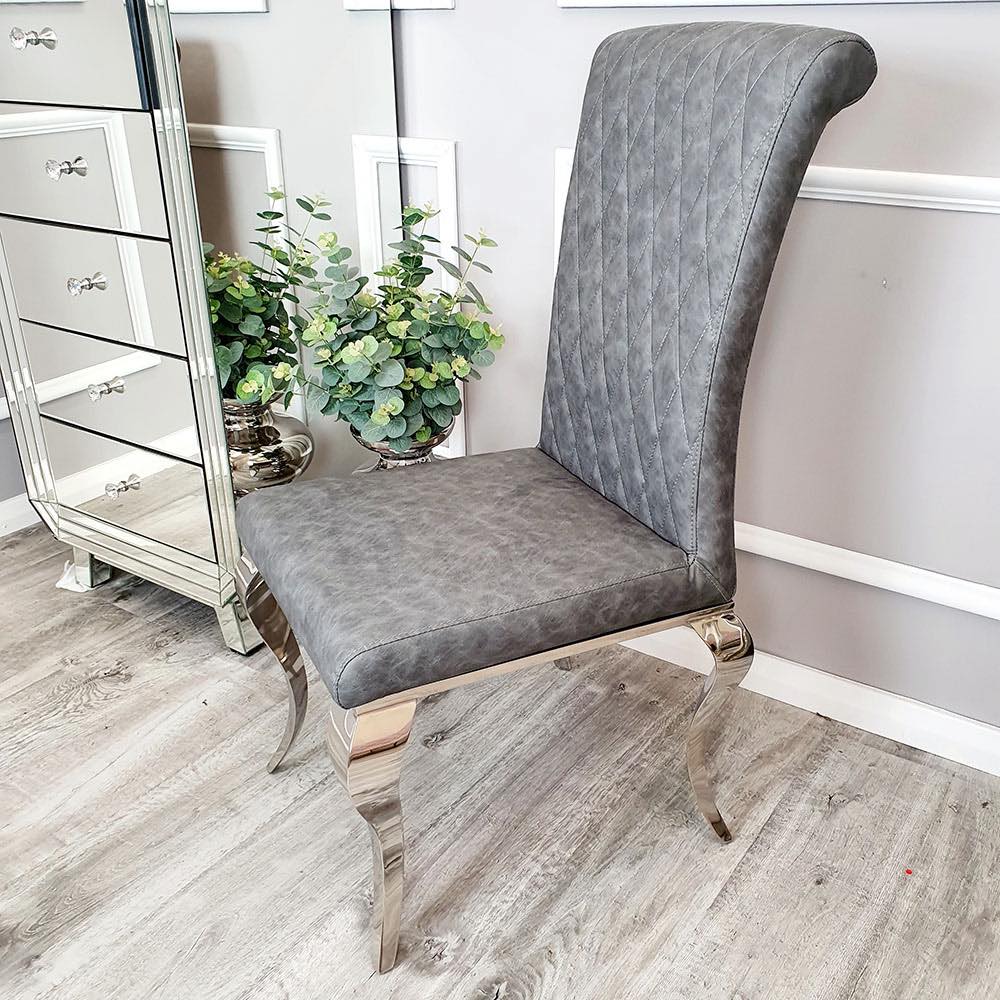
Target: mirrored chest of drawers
{"points": [[106, 344]]}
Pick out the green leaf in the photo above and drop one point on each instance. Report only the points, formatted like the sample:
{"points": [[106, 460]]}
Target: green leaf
{"points": [[441, 415], [483, 359], [396, 427], [371, 432], [252, 326], [450, 269], [367, 322], [448, 394], [383, 352], [359, 371], [223, 364], [391, 373]]}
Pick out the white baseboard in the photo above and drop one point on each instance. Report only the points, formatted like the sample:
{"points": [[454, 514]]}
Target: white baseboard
{"points": [[16, 513], [914, 723]]}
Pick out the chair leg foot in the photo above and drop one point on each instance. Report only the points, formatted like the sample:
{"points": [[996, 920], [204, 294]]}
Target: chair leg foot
{"points": [[367, 750], [263, 610], [731, 645]]}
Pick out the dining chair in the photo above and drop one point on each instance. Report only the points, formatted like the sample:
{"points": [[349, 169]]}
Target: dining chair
{"points": [[693, 143]]}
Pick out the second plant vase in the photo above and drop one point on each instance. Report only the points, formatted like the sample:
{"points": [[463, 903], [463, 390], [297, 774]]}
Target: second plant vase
{"points": [[265, 448]]}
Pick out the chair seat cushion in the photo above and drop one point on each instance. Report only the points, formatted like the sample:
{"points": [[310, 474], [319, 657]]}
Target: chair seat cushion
{"points": [[400, 578]]}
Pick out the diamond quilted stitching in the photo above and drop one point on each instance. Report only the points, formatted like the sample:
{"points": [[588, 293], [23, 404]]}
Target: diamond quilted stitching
{"points": [[677, 128]]}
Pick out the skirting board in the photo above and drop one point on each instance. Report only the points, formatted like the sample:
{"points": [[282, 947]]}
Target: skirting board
{"points": [[913, 723]]}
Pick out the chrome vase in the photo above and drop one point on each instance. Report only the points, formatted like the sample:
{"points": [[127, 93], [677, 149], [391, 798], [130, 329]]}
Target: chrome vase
{"points": [[387, 458], [265, 448]]}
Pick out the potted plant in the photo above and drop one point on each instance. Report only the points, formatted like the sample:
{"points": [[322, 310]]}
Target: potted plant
{"points": [[256, 348], [391, 362]]}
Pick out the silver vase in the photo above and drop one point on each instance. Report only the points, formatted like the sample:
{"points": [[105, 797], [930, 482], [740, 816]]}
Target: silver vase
{"points": [[265, 448], [419, 454]]}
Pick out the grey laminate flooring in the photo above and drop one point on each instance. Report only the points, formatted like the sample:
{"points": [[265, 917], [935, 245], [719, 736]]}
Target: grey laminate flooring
{"points": [[555, 851]]}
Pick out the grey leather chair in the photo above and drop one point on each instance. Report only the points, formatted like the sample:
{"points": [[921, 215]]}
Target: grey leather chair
{"points": [[693, 143]]}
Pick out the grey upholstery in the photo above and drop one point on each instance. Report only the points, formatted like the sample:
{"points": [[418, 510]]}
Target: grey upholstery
{"points": [[693, 144], [421, 574]]}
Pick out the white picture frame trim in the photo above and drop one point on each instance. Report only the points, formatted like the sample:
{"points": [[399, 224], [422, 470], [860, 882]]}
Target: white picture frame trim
{"points": [[374, 151], [264, 142], [218, 6]]}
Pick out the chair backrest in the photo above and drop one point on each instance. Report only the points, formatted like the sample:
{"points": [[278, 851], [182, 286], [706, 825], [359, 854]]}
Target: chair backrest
{"points": [[693, 143]]}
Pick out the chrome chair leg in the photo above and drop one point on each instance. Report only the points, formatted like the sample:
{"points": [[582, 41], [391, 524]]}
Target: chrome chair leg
{"points": [[730, 643], [367, 750], [270, 621]]}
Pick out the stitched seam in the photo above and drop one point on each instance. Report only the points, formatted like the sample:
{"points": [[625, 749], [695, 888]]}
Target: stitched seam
{"points": [[498, 614], [696, 494], [711, 578]]}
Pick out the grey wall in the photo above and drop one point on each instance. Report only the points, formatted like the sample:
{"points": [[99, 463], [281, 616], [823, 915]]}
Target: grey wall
{"points": [[871, 403], [318, 74]]}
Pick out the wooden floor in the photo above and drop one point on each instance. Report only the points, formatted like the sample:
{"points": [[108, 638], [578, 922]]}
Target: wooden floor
{"points": [[555, 851]]}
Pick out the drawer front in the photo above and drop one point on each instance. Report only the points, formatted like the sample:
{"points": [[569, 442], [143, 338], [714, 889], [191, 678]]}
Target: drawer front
{"points": [[136, 396], [69, 53], [85, 168], [117, 287], [138, 490]]}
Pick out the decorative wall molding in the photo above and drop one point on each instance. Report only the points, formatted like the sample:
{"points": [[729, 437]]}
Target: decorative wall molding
{"points": [[944, 192], [249, 139], [900, 578], [218, 6], [732, 3], [915, 723], [246, 139], [399, 4], [371, 153]]}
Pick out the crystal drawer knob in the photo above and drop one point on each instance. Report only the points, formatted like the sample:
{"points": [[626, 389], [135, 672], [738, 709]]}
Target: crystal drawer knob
{"points": [[77, 286], [21, 39], [102, 389], [58, 168], [115, 490]]}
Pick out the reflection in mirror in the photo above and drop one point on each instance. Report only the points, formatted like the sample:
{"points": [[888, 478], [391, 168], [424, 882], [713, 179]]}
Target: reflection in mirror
{"points": [[276, 104], [114, 432]]}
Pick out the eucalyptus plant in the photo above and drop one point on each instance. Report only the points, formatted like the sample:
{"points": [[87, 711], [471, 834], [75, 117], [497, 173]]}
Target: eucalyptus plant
{"points": [[391, 361], [252, 305]]}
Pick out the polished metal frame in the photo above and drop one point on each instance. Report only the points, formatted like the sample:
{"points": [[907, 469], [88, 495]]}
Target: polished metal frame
{"points": [[367, 743], [211, 582]]}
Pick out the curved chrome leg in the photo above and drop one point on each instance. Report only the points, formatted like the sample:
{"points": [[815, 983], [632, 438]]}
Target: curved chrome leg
{"points": [[367, 750], [270, 621], [732, 646]]}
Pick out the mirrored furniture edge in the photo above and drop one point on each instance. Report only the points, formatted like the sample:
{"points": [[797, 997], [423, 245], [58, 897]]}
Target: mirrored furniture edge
{"points": [[106, 341]]}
